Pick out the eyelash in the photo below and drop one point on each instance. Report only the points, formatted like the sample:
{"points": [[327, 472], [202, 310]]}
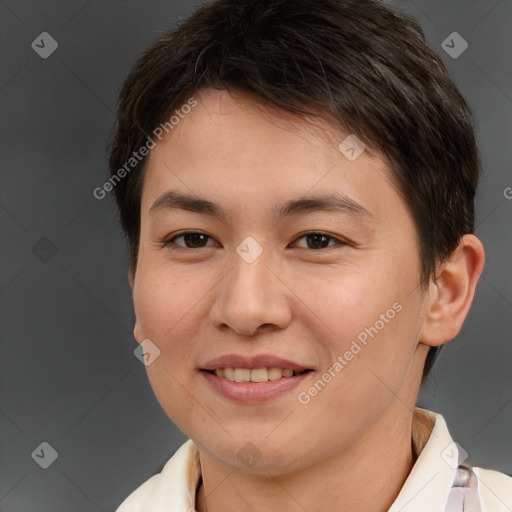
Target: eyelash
{"points": [[169, 243]]}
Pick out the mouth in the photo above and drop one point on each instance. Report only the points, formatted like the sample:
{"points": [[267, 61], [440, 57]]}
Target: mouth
{"points": [[255, 375], [252, 386], [254, 379]]}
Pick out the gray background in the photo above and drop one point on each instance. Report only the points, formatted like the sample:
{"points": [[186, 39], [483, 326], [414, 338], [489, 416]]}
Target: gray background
{"points": [[68, 373]]}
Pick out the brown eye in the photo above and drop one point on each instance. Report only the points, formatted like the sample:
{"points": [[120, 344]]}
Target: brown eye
{"points": [[317, 240], [192, 240]]}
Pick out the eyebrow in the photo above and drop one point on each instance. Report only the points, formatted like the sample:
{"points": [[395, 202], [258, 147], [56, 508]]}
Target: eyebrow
{"points": [[334, 202]]}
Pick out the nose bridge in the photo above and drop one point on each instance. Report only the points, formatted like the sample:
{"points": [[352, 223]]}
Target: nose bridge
{"points": [[251, 275], [251, 295]]}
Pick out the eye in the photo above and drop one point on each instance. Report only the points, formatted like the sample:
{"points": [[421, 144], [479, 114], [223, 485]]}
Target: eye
{"points": [[192, 239], [318, 240], [196, 240]]}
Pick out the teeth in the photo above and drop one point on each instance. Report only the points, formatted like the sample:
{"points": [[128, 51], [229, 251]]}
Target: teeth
{"points": [[259, 375], [274, 373], [255, 375], [242, 375]]}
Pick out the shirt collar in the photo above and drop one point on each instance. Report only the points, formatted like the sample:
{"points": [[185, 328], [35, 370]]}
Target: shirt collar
{"points": [[430, 480]]}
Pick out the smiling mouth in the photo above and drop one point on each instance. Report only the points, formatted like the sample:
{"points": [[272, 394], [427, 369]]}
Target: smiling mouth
{"points": [[255, 374]]}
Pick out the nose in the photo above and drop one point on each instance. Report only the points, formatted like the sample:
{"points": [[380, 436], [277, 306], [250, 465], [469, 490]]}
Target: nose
{"points": [[252, 296]]}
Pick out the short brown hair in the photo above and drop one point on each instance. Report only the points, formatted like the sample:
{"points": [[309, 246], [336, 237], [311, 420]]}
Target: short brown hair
{"points": [[359, 62]]}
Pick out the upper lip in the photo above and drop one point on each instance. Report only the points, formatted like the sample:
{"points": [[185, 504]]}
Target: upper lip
{"points": [[251, 362]]}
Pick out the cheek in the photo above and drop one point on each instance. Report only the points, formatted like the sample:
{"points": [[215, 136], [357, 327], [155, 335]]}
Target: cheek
{"points": [[164, 311], [161, 297], [166, 314], [368, 316], [347, 301]]}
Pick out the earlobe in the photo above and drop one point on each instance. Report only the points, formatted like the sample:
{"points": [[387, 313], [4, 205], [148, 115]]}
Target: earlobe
{"points": [[136, 332], [451, 293]]}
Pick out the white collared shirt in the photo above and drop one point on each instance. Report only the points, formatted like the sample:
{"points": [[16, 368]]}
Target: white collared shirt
{"points": [[428, 487]]}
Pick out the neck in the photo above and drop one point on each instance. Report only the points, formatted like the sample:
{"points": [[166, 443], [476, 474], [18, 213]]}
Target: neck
{"points": [[366, 476]]}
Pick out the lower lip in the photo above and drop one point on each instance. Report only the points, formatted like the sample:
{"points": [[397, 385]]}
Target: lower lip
{"points": [[253, 392]]}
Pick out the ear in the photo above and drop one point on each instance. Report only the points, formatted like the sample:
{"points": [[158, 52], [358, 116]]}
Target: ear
{"points": [[131, 280], [136, 328], [451, 292]]}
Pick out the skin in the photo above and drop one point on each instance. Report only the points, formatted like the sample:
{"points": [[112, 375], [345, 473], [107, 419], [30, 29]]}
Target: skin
{"points": [[349, 448]]}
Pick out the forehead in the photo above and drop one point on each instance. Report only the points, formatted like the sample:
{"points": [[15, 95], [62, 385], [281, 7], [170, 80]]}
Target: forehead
{"points": [[245, 119], [234, 148]]}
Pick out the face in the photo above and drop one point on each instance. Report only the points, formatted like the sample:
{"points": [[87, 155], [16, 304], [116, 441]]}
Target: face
{"points": [[260, 272]]}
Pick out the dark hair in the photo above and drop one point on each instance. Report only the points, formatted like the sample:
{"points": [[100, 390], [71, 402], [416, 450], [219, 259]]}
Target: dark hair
{"points": [[358, 62]]}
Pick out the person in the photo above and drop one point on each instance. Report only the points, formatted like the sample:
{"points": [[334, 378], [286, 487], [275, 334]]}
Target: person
{"points": [[296, 180]]}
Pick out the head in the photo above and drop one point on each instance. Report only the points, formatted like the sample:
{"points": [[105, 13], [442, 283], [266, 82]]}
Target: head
{"points": [[244, 108]]}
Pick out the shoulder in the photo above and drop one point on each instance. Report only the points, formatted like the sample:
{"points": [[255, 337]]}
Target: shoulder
{"points": [[494, 489]]}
